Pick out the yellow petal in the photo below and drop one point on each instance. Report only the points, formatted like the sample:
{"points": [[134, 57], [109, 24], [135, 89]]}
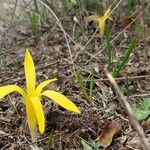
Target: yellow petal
{"points": [[101, 23], [43, 84], [5, 90], [36, 103], [29, 73], [61, 100], [107, 13], [31, 119]]}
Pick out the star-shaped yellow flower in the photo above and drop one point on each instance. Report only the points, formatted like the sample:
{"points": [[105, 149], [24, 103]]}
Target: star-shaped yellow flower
{"points": [[101, 21], [32, 97]]}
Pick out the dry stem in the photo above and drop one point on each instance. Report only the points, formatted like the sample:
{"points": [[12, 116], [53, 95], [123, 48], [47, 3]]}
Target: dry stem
{"points": [[127, 106]]}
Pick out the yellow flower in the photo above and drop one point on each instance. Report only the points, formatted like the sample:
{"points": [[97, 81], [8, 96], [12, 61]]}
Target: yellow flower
{"points": [[101, 21], [32, 97]]}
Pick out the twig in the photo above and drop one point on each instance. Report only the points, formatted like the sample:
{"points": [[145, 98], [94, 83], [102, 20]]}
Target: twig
{"points": [[133, 120], [61, 27], [124, 78], [140, 95]]}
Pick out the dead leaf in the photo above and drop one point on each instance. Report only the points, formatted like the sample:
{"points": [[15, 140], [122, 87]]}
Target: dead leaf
{"points": [[108, 133], [134, 142], [126, 21]]}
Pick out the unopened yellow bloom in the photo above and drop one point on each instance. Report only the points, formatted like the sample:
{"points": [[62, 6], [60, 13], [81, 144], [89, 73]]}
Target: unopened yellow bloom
{"points": [[101, 21], [32, 97]]}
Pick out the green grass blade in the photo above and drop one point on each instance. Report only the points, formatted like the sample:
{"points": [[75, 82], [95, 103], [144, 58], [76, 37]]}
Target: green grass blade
{"points": [[91, 86], [50, 137], [34, 21], [129, 6], [82, 87], [121, 64]]}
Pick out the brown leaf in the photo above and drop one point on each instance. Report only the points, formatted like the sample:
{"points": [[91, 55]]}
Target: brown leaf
{"points": [[133, 142], [125, 22], [108, 133]]}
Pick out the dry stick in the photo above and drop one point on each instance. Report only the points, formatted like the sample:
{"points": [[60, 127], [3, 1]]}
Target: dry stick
{"points": [[61, 27], [126, 105], [140, 95], [124, 78]]}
